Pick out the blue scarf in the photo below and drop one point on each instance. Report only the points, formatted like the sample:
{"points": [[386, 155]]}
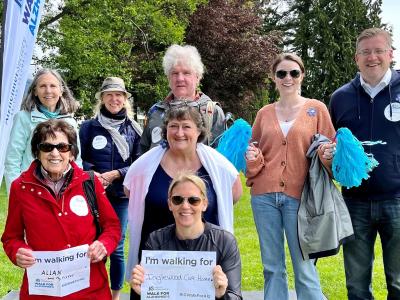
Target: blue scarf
{"points": [[47, 113]]}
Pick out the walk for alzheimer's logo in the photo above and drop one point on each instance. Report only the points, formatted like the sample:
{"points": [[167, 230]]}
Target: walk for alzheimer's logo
{"points": [[157, 293], [43, 284]]}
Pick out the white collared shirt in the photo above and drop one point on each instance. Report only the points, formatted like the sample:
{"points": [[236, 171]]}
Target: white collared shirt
{"points": [[374, 90]]}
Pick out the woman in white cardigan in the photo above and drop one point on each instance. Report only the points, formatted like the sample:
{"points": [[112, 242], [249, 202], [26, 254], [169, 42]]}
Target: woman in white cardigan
{"points": [[148, 178]]}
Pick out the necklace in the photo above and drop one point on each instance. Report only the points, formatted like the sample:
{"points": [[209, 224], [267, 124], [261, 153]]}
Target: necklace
{"points": [[288, 113]]}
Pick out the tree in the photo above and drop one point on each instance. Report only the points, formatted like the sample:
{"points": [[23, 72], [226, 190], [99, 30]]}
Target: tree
{"points": [[237, 56], [323, 33], [99, 38]]}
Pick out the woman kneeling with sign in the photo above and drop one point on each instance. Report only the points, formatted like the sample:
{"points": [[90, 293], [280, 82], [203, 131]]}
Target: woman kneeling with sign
{"points": [[187, 201]]}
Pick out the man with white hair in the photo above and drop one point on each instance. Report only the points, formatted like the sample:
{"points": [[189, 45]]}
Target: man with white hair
{"points": [[184, 69]]}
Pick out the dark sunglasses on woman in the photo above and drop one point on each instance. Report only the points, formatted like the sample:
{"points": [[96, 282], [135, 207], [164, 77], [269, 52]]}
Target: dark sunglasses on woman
{"points": [[293, 73], [178, 200], [61, 147]]}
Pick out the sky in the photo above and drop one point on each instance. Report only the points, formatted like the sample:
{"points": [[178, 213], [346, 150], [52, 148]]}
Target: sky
{"points": [[390, 15]]}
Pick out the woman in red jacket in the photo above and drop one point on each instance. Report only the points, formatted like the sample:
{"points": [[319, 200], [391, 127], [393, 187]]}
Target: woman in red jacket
{"points": [[48, 211]]}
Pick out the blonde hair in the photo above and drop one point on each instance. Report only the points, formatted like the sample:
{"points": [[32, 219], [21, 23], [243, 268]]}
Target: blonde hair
{"points": [[127, 106], [187, 176], [373, 32]]}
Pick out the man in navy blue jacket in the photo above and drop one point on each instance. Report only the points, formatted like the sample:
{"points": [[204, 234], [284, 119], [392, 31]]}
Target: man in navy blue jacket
{"points": [[369, 106]]}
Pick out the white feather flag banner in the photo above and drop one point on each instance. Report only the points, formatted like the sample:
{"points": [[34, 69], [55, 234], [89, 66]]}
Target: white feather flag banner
{"points": [[20, 27]]}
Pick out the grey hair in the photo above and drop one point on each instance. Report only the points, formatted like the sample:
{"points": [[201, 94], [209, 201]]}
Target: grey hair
{"points": [[372, 32], [185, 112], [186, 55], [66, 103]]}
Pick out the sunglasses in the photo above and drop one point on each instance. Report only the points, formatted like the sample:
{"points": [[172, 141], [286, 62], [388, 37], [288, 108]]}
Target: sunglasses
{"points": [[61, 147], [193, 200], [183, 104], [293, 73]]}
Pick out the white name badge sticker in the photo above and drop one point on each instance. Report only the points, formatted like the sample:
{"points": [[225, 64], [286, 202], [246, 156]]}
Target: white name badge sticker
{"points": [[99, 142], [395, 117], [78, 205], [156, 135]]}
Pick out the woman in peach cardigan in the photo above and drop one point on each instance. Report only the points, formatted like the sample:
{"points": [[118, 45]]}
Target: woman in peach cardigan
{"points": [[276, 169]]}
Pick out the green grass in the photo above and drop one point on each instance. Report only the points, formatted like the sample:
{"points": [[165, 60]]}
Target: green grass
{"points": [[11, 275], [330, 269]]}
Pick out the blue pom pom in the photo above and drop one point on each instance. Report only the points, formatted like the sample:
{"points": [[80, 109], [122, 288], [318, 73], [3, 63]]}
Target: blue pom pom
{"points": [[350, 163], [233, 143]]}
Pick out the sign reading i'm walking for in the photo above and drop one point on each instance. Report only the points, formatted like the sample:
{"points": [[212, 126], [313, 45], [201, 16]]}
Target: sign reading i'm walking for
{"points": [[59, 273], [178, 275]]}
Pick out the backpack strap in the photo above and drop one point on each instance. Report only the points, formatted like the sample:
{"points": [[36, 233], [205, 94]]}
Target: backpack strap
{"points": [[90, 193], [208, 117]]}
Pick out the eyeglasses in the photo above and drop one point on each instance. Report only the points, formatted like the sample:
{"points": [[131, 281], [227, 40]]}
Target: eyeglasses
{"points": [[293, 73], [178, 200], [367, 52], [61, 147]]}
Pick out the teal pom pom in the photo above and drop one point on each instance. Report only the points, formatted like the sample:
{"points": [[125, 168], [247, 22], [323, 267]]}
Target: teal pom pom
{"points": [[233, 143], [350, 163]]}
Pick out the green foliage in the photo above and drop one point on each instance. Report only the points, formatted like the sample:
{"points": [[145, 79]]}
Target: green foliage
{"points": [[323, 33], [99, 38], [236, 54], [1, 10]]}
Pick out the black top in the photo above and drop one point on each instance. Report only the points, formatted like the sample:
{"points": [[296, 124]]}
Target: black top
{"points": [[213, 239], [157, 214]]}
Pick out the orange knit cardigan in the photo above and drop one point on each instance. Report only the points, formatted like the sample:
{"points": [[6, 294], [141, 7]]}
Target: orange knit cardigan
{"points": [[283, 165]]}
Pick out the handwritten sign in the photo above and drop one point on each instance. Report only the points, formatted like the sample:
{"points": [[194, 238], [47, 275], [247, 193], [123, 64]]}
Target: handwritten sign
{"points": [[59, 273], [178, 275]]}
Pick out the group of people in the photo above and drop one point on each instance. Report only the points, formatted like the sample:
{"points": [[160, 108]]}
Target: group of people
{"points": [[178, 193], [277, 168]]}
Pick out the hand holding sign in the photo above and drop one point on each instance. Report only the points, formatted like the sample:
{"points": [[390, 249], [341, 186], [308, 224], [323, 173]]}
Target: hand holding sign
{"points": [[24, 258], [137, 278], [178, 275], [97, 251], [220, 281]]}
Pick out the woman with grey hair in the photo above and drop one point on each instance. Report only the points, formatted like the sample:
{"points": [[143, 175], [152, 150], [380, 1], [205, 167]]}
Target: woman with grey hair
{"points": [[184, 70], [48, 97]]}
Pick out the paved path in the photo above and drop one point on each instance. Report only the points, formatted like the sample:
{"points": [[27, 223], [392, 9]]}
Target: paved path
{"points": [[254, 295]]}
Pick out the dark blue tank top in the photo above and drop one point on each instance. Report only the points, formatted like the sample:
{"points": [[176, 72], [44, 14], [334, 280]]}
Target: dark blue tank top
{"points": [[157, 214]]}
